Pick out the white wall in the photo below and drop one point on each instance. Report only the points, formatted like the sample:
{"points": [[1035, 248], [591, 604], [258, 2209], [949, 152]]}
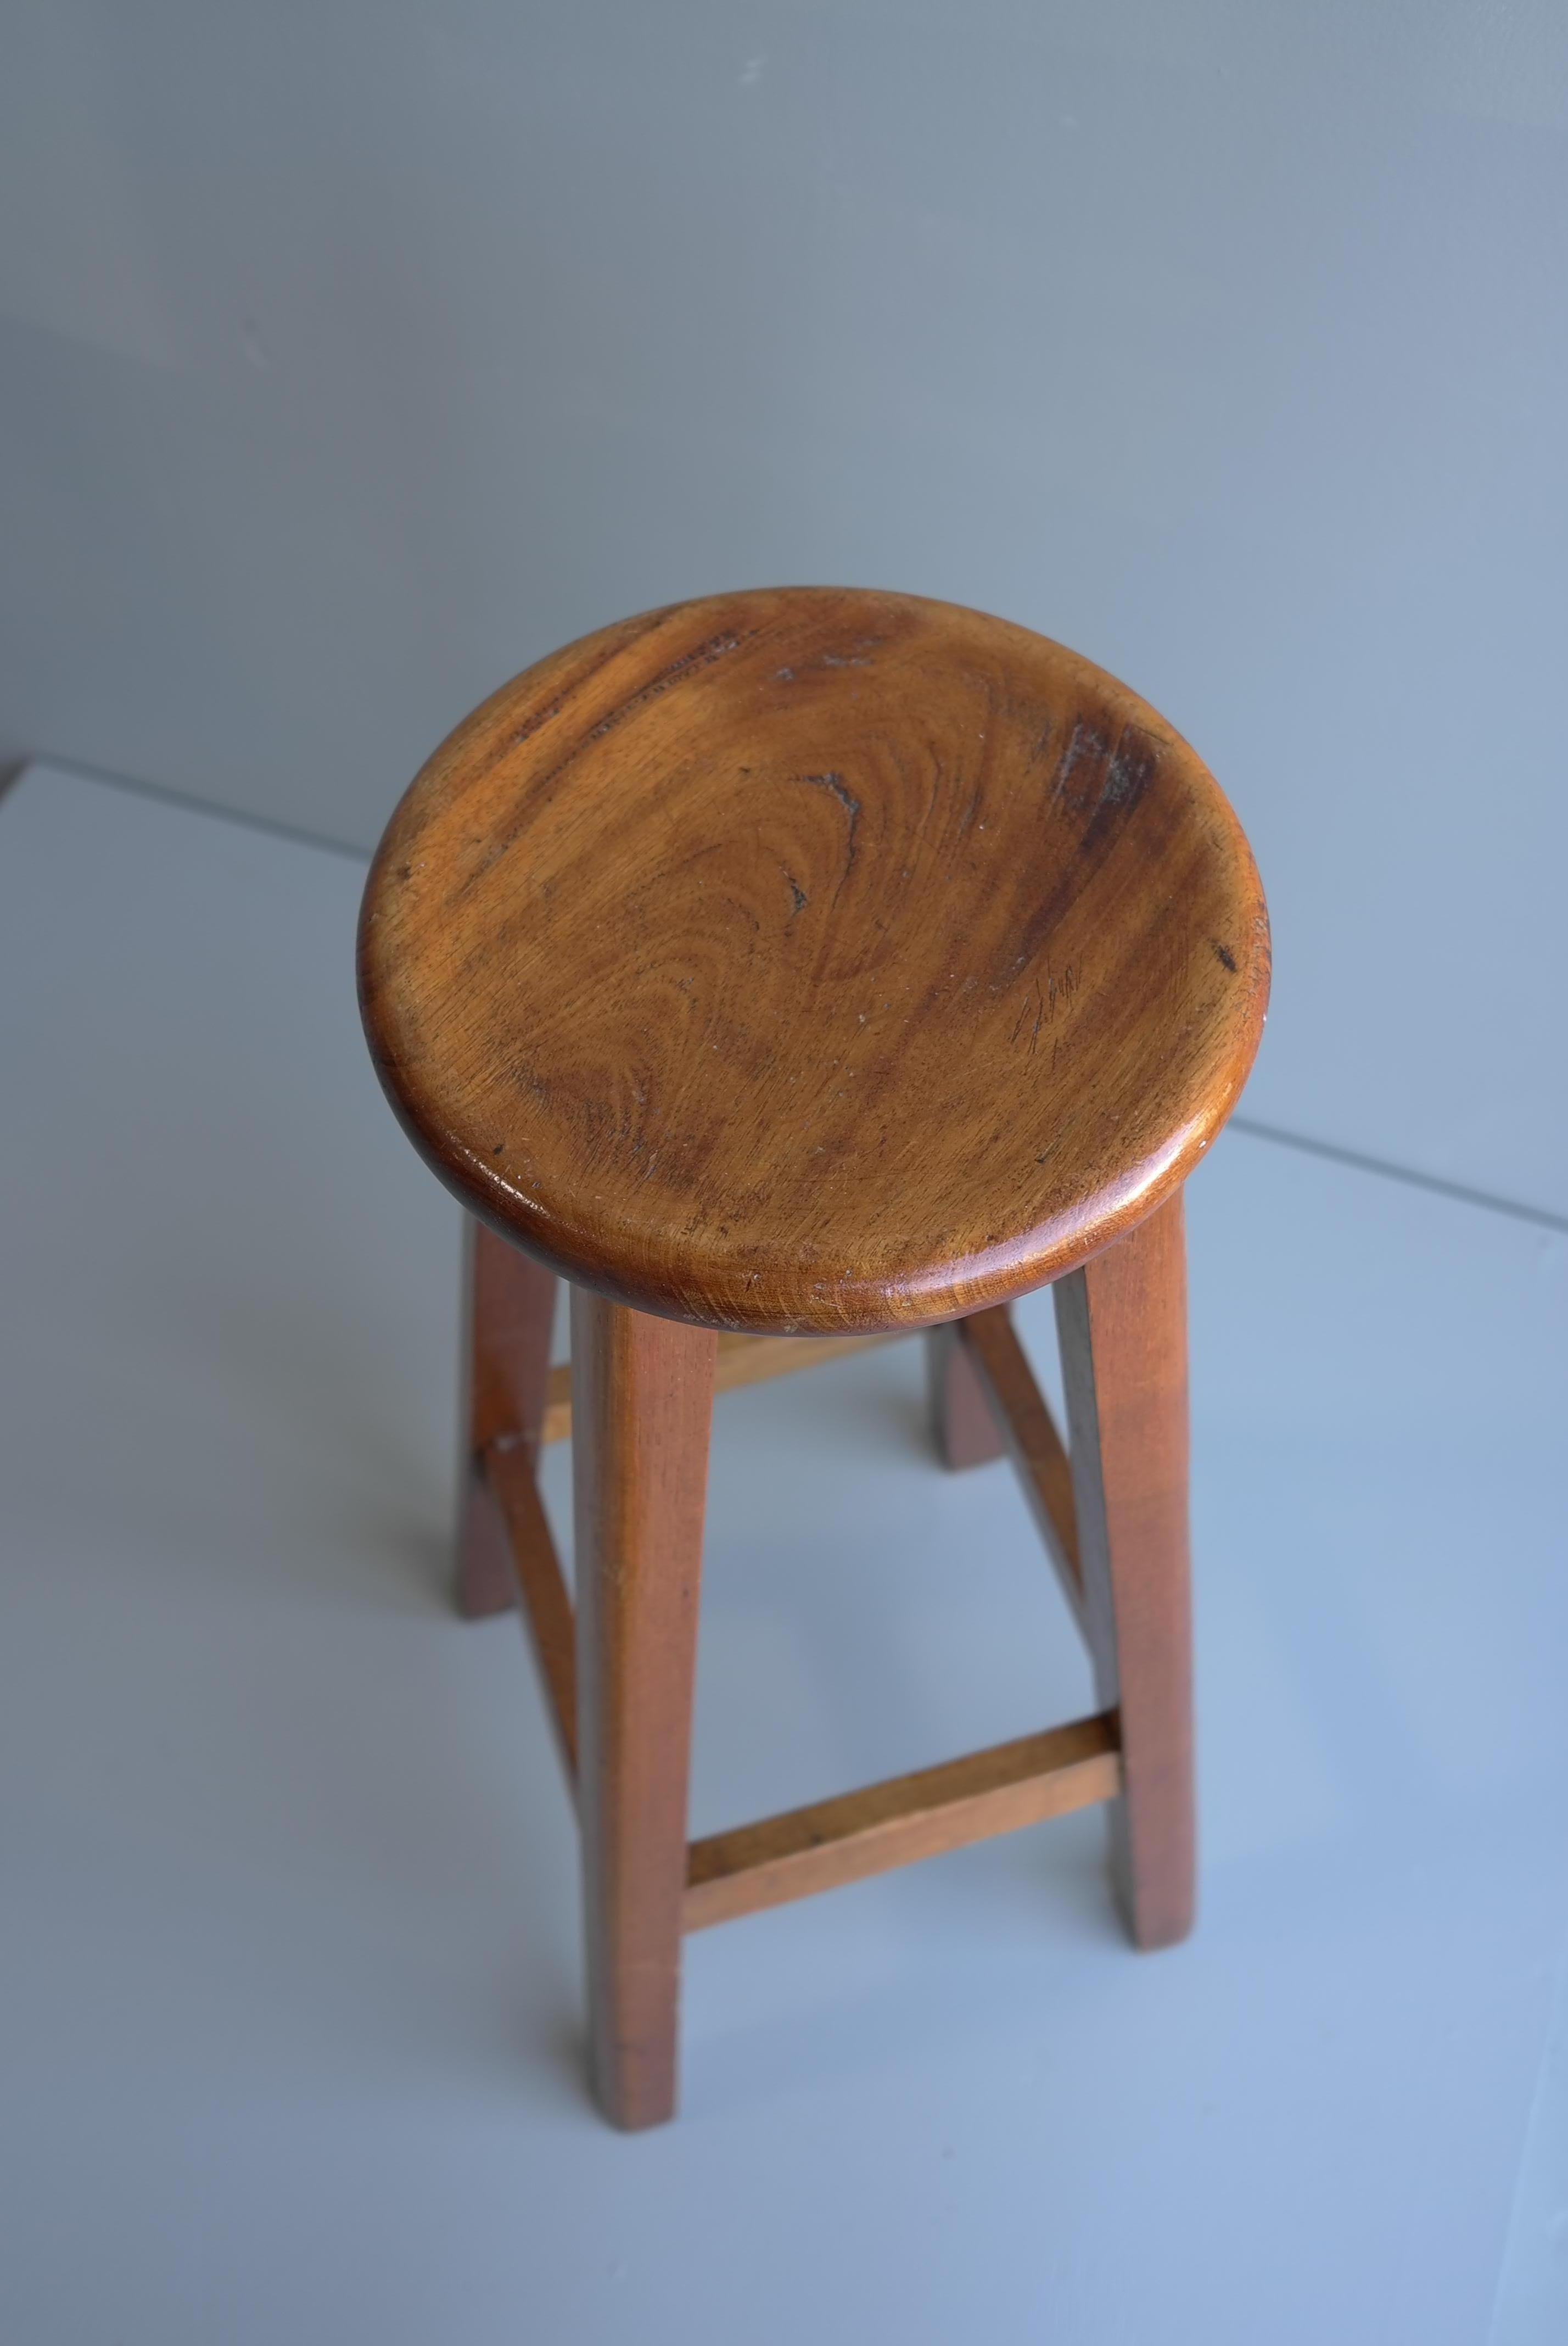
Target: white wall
{"points": [[353, 353]]}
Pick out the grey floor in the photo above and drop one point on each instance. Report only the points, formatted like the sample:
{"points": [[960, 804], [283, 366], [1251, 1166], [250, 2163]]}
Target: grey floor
{"points": [[289, 2018]]}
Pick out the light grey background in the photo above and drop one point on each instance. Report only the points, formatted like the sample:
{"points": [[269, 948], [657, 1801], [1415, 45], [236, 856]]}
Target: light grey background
{"points": [[351, 355], [290, 2024]]}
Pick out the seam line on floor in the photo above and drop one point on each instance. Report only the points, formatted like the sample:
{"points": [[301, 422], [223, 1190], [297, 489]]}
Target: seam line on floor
{"points": [[294, 832], [1360, 1163], [1354, 1157]]}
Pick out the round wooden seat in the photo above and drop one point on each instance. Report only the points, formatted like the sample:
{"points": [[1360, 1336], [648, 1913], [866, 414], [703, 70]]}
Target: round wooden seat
{"points": [[813, 960]]}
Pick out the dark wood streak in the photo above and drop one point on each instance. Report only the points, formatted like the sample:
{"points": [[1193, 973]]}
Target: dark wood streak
{"points": [[506, 738], [616, 714], [1122, 777]]}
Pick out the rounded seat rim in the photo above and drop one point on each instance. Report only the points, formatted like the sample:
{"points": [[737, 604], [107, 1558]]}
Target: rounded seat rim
{"points": [[767, 1292]]}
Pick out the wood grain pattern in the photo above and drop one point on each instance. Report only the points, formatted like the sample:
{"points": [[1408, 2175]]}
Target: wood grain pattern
{"points": [[813, 960], [1122, 1323], [642, 1399], [509, 1309], [901, 1820]]}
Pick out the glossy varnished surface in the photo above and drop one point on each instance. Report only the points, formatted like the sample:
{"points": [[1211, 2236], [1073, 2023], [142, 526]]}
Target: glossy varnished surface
{"points": [[813, 959]]}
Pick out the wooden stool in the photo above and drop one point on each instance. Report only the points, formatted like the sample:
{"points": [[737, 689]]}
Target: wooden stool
{"points": [[817, 963]]}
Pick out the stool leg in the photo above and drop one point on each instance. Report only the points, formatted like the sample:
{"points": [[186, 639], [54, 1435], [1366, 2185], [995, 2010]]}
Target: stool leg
{"points": [[641, 1401], [1122, 1325], [509, 1312], [962, 1425]]}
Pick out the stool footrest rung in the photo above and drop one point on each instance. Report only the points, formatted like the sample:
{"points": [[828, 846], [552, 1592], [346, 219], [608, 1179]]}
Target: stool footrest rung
{"points": [[742, 1361], [904, 1819]]}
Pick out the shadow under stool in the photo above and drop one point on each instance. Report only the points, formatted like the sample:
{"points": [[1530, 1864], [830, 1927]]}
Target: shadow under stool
{"points": [[814, 963]]}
